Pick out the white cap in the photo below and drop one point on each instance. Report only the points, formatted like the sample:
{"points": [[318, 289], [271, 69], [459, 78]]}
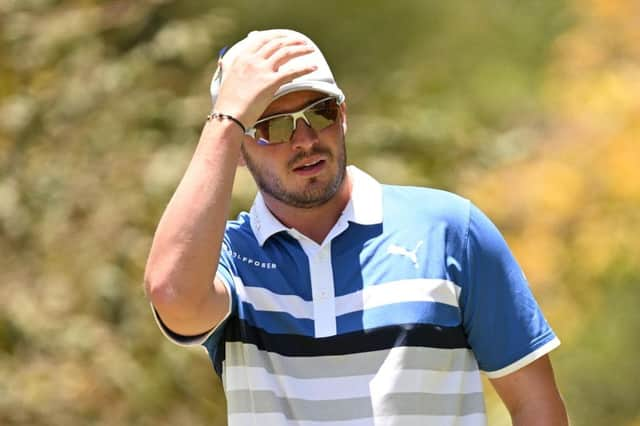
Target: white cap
{"points": [[320, 80]]}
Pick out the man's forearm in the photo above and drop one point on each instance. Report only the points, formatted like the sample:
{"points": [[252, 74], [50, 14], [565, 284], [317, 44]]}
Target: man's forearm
{"points": [[185, 250], [547, 413], [531, 395]]}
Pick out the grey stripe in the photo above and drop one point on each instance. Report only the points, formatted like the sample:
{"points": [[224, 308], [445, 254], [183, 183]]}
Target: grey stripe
{"points": [[413, 358], [430, 404], [355, 408]]}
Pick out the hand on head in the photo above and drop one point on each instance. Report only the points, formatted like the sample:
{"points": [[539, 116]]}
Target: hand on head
{"points": [[254, 68]]}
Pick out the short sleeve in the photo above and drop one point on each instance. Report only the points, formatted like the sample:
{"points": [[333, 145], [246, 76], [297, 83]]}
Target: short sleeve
{"points": [[504, 324]]}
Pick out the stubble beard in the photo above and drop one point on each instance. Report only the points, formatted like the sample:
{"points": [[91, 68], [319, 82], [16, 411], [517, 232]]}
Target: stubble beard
{"points": [[311, 196]]}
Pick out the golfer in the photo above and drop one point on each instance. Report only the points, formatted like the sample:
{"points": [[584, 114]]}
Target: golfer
{"points": [[337, 300]]}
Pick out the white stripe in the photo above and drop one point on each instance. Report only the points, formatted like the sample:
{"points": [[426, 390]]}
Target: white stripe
{"points": [[386, 382], [528, 359], [277, 419], [266, 300], [413, 290], [477, 419], [436, 382]]}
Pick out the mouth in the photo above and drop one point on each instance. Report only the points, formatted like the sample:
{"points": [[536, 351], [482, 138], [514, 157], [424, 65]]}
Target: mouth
{"points": [[310, 167]]}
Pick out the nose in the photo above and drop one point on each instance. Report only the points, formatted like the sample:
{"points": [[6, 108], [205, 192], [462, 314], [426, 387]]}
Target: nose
{"points": [[304, 136]]}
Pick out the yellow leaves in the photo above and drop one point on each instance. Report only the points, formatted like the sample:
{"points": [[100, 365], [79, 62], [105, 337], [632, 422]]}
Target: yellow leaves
{"points": [[556, 188], [546, 193], [602, 99], [621, 165], [597, 243], [539, 252], [595, 75], [620, 17], [615, 10]]}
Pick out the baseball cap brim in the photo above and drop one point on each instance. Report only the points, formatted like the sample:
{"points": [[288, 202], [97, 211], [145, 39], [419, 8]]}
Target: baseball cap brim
{"points": [[319, 86]]}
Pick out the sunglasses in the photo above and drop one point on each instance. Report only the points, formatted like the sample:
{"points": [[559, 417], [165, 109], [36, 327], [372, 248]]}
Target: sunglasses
{"points": [[279, 128]]}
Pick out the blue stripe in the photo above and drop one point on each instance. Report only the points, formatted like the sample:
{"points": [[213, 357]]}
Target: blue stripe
{"points": [[399, 313], [288, 271], [275, 322]]}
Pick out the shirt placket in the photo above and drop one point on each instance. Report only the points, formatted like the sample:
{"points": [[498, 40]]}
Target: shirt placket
{"points": [[322, 291], [322, 286]]}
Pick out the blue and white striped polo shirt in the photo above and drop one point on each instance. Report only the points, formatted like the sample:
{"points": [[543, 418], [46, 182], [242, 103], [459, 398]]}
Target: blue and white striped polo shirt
{"points": [[388, 322]]}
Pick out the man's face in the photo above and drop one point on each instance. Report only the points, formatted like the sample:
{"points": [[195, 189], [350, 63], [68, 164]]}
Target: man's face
{"points": [[307, 171]]}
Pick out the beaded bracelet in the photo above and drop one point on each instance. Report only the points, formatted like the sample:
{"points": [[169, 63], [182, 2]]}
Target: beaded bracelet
{"points": [[219, 116]]}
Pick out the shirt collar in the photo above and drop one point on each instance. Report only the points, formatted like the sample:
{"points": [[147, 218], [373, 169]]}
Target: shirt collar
{"points": [[364, 207]]}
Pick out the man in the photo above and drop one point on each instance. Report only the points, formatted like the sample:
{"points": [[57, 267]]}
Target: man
{"points": [[337, 300]]}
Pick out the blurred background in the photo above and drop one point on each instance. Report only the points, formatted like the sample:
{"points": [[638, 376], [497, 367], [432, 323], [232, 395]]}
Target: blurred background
{"points": [[530, 109]]}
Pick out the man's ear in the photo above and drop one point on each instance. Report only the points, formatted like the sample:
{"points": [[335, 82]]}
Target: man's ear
{"points": [[343, 114]]}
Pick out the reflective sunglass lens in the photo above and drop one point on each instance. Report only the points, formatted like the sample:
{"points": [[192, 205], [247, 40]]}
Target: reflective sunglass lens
{"points": [[277, 130], [280, 129], [322, 118]]}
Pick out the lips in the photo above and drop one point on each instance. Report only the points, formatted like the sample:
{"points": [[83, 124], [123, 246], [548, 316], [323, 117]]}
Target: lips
{"points": [[307, 165]]}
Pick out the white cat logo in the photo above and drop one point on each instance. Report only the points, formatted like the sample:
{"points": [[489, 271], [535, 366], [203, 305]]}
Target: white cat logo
{"points": [[394, 249]]}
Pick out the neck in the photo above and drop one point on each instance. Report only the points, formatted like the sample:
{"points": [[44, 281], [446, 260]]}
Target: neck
{"points": [[315, 222]]}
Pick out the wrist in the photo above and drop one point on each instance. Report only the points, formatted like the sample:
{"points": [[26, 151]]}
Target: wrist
{"points": [[219, 116]]}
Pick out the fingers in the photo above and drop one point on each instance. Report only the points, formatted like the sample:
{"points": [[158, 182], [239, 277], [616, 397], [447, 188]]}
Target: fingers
{"points": [[286, 54], [274, 45], [277, 48], [293, 73], [257, 39]]}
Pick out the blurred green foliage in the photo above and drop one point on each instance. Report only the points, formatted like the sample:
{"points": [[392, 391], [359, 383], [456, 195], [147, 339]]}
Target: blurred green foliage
{"points": [[529, 108]]}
